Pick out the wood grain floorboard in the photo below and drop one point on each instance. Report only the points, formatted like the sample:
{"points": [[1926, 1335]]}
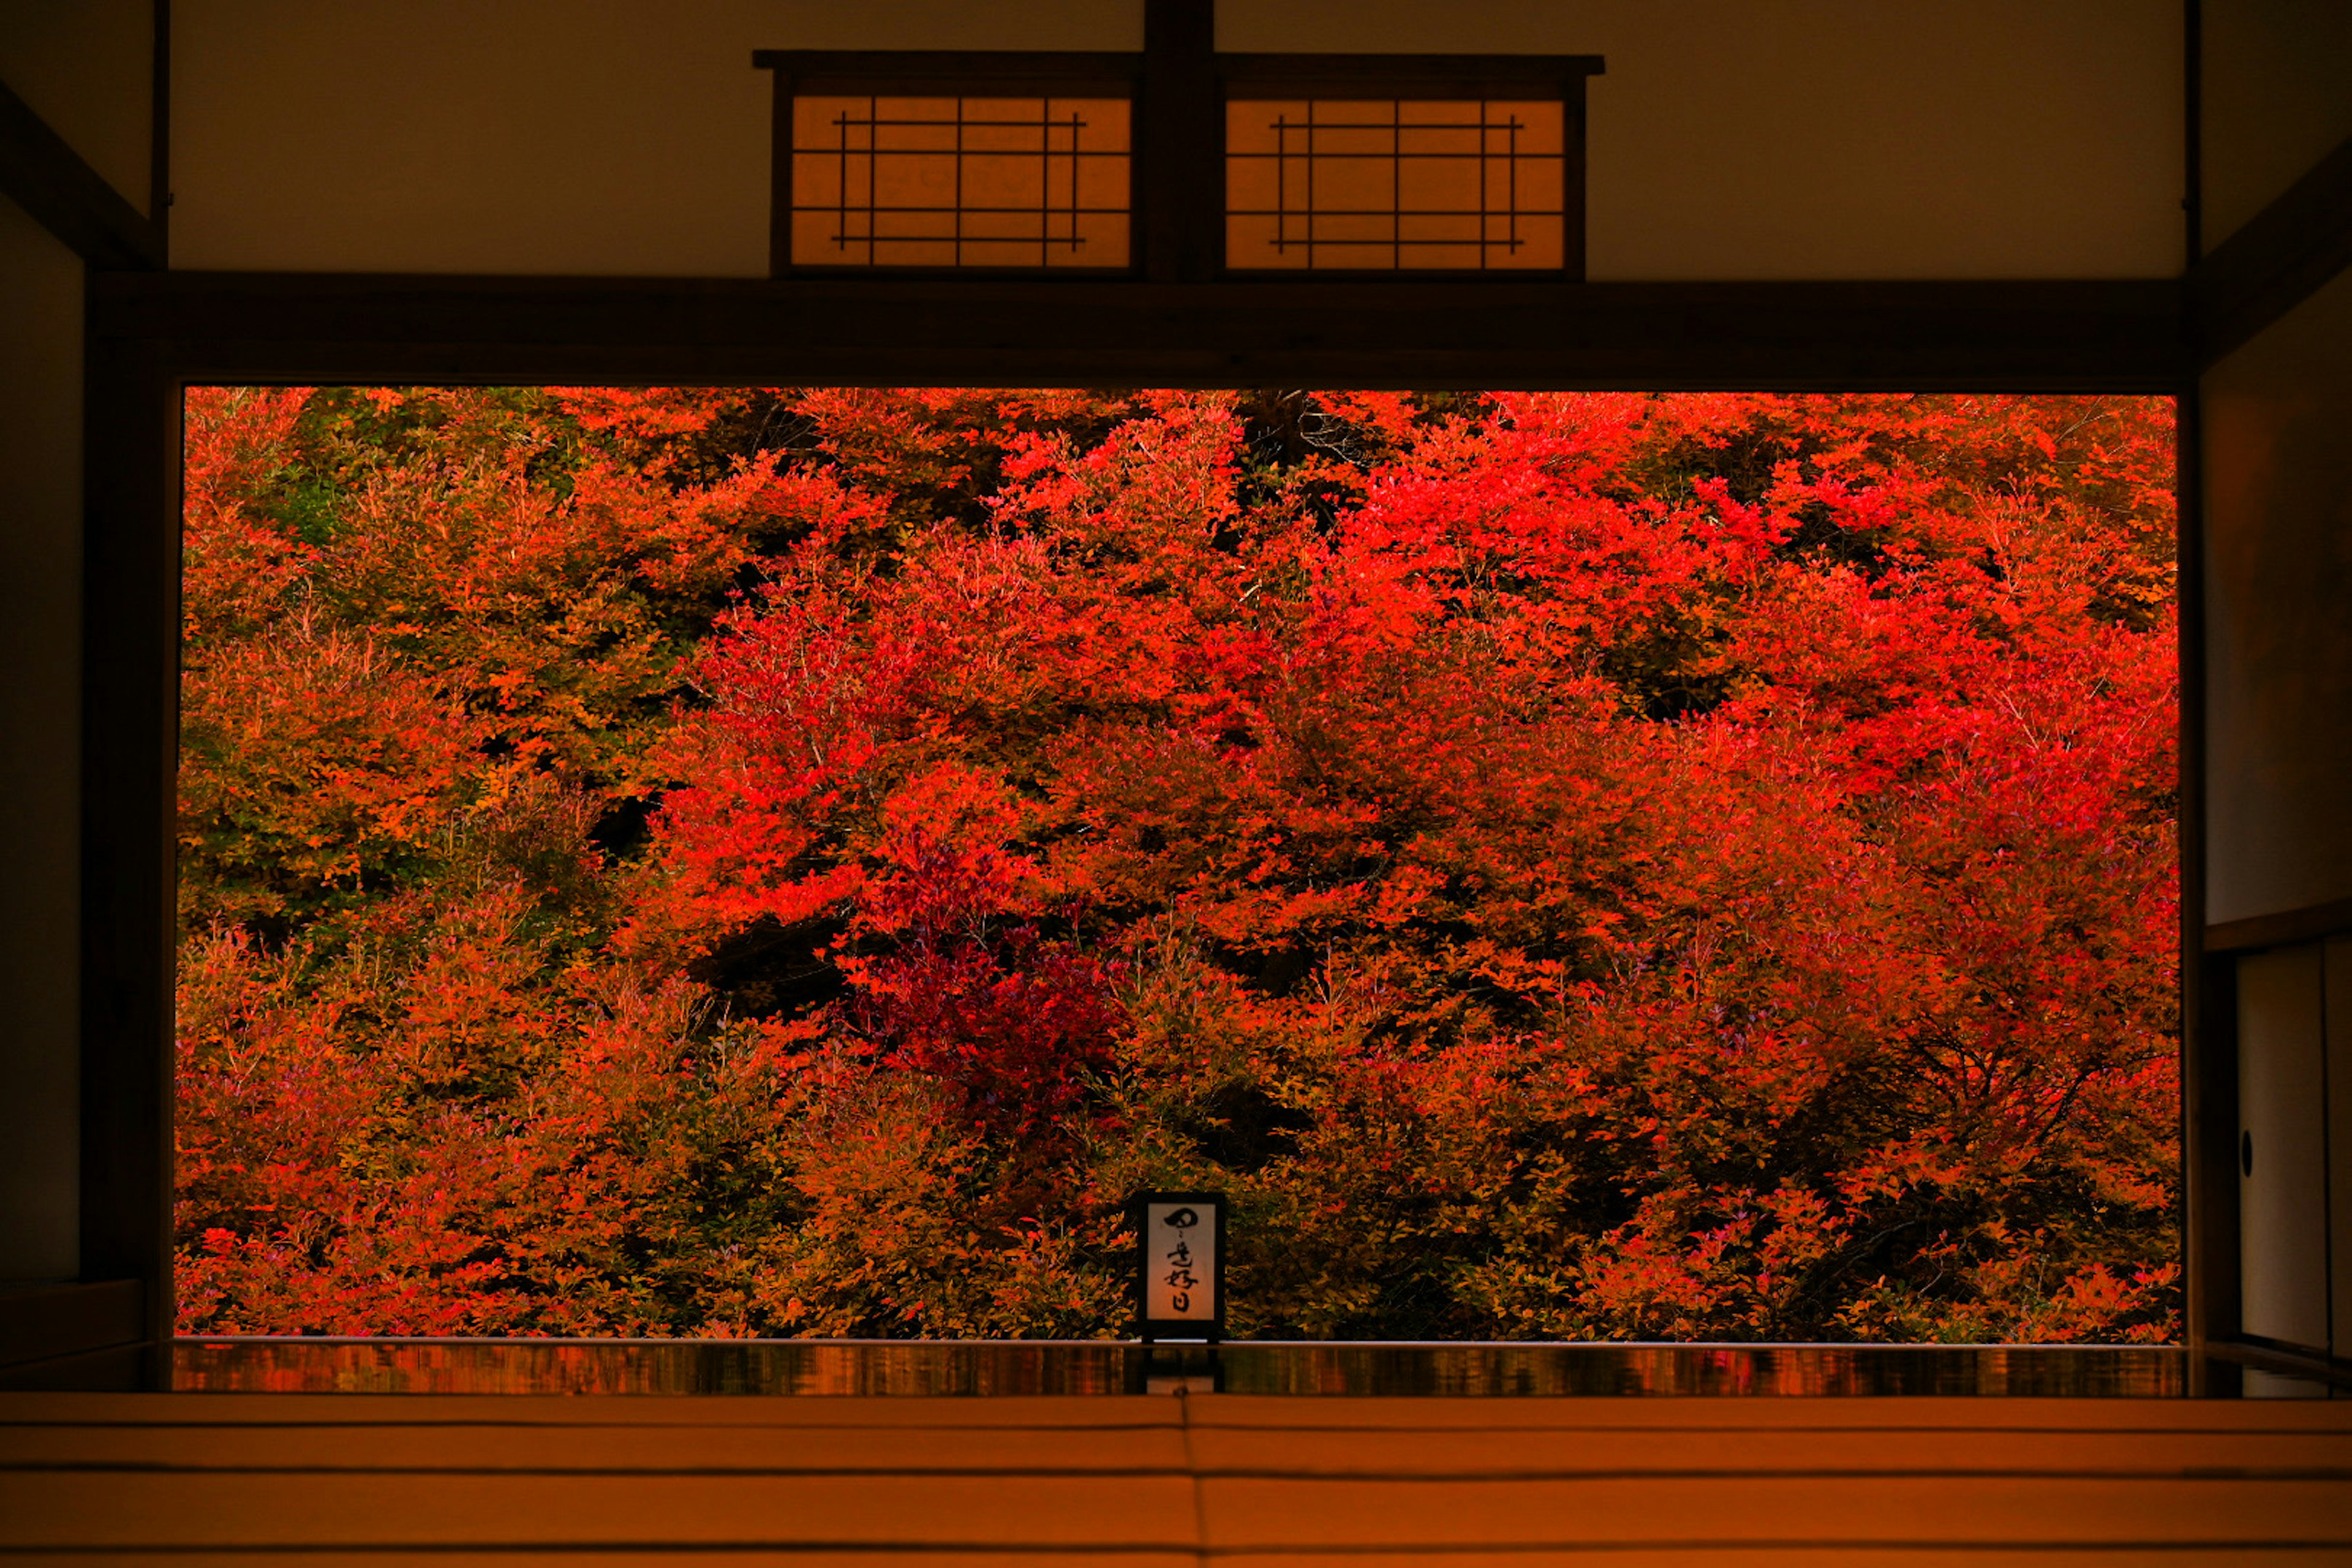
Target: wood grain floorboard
{"points": [[1087, 1413], [1767, 1414], [680, 1450], [786, 1557], [730, 1557], [1504, 1454], [642, 1450], [1952, 1510], [1831, 1556], [426, 1511], [1828, 1555], [1287, 1483]]}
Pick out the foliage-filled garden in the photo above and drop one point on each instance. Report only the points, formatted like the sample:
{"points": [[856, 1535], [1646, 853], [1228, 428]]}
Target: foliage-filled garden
{"points": [[793, 861]]}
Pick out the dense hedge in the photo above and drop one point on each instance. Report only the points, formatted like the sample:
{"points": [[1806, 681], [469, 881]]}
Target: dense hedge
{"points": [[791, 861]]}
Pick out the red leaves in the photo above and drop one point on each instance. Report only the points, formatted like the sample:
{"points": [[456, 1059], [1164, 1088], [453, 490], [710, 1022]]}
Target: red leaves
{"points": [[759, 861]]}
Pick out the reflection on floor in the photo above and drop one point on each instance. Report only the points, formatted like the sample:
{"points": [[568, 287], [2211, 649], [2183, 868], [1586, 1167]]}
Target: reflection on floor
{"points": [[261, 1365], [1162, 1479]]}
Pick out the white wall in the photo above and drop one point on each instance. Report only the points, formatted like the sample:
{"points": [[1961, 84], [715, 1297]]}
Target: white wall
{"points": [[86, 68], [1756, 138], [40, 632], [525, 136], [2338, 1010], [2279, 614], [2277, 100], [1730, 138]]}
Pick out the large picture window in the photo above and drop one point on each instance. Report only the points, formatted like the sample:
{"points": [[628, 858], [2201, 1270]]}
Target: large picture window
{"points": [[794, 861]]}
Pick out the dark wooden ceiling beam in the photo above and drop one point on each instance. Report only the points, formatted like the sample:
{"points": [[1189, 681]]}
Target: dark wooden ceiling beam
{"points": [[2279, 258], [2020, 336], [49, 180], [2288, 926]]}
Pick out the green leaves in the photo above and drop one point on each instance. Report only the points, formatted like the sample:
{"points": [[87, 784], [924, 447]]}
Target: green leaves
{"points": [[776, 861]]}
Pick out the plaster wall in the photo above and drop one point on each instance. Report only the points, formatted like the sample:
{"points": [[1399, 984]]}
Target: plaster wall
{"points": [[2338, 1023], [1835, 138], [2275, 100], [530, 136], [2278, 476], [40, 639], [88, 67]]}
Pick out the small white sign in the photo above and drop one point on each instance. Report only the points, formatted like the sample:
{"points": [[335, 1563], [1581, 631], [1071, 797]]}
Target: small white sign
{"points": [[1179, 1263]]}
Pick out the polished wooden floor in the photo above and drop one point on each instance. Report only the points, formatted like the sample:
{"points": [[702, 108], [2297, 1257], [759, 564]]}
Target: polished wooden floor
{"points": [[1173, 1479]]}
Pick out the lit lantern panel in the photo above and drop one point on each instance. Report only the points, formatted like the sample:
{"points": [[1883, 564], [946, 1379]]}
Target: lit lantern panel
{"points": [[961, 182], [1395, 183]]}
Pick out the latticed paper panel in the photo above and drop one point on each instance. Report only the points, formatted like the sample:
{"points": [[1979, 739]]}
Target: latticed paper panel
{"points": [[1390, 183], [961, 182]]}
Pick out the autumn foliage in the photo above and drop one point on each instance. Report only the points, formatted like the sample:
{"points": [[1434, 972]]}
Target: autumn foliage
{"points": [[793, 861]]}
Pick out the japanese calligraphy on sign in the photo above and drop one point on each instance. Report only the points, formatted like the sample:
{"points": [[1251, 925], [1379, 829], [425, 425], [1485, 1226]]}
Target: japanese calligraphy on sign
{"points": [[1180, 1235]]}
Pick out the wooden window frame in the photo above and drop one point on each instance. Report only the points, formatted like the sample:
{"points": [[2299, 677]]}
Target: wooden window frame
{"points": [[150, 334], [1179, 85], [925, 74], [1545, 77]]}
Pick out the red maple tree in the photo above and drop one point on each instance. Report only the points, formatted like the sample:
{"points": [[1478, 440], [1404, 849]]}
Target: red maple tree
{"points": [[793, 861]]}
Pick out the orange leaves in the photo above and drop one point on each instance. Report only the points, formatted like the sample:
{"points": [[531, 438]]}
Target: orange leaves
{"points": [[773, 860]]}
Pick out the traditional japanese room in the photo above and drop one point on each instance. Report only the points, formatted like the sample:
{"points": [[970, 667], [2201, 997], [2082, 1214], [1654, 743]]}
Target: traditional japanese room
{"points": [[1152, 781]]}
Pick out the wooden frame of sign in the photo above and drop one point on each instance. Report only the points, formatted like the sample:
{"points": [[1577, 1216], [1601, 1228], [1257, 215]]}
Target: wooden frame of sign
{"points": [[1155, 1264]]}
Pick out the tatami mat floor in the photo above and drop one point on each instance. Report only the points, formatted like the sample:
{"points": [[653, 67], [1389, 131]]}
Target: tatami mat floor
{"points": [[1170, 1480]]}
